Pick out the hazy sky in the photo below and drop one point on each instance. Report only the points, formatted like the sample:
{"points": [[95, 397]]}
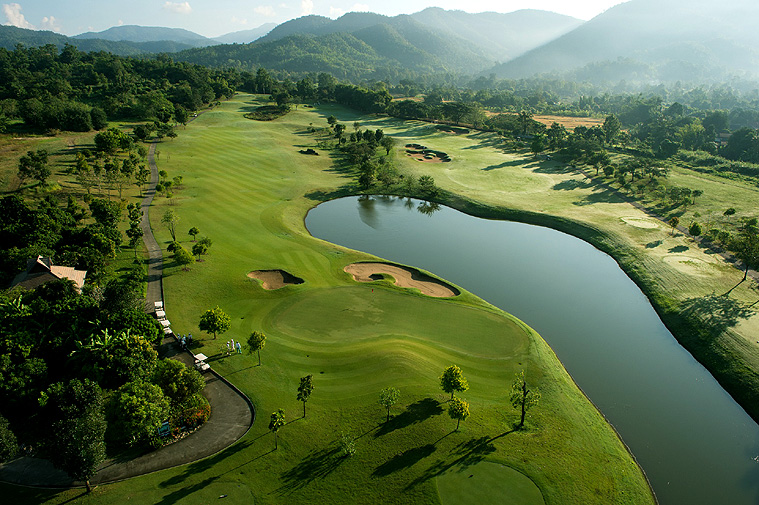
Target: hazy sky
{"points": [[216, 17]]}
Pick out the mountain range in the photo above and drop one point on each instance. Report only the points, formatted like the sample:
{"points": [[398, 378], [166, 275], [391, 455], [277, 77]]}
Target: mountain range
{"points": [[128, 40], [640, 41], [654, 40]]}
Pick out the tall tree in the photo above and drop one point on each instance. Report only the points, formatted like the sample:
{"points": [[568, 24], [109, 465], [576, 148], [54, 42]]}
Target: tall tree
{"points": [[182, 257], [304, 390], [77, 434], [458, 409], [522, 397], [256, 342], [611, 128], [194, 232], [746, 245], [276, 421], [673, 223], [453, 380], [170, 219], [214, 321], [389, 397], [33, 165]]}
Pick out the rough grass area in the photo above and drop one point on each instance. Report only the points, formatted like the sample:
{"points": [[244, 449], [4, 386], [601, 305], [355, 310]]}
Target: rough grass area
{"points": [[248, 189]]}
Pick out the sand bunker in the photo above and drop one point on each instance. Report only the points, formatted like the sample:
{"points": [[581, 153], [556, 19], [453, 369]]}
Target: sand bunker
{"points": [[405, 277], [648, 223], [274, 279], [421, 153]]}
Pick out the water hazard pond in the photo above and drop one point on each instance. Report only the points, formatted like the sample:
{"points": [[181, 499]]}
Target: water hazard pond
{"points": [[694, 442]]}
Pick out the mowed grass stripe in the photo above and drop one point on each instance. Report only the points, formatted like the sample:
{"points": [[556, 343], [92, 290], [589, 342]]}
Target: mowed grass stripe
{"points": [[244, 188]]}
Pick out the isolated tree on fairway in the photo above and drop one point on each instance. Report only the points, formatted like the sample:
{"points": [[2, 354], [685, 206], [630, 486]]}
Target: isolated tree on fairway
{"points": [[170, 219], [206, 243], [182, 257], [458, 409], [214, 321], [674, 222], [389, 397], [304, 390], [256, 342], [522, 397], [387, 143], [276, 422], [194, 232], [453, 380], [198, 249], [746, 245], [694, 229]]}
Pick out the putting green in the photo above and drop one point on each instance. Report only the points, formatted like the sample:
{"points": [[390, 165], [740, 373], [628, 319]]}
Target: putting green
{"points": [[487, 482]]}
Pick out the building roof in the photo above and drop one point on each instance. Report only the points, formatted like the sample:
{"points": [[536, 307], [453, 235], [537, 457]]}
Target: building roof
{"points": [[40, 270]]}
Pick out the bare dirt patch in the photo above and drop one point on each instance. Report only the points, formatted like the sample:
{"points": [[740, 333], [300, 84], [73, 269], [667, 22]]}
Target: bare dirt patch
{"points": [[275, 279], [569, 122], [405, 277]]}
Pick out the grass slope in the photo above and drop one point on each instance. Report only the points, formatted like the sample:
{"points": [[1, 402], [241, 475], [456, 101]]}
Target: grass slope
{"points": [[248, 189]]}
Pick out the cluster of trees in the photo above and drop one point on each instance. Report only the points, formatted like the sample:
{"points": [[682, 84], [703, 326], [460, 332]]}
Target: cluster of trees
{"points": [[71, 90], [50, 230], [79, 374]]}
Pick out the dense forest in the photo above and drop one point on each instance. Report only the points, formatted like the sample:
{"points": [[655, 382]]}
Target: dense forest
{"points": [[79, 375], [76, 91]]}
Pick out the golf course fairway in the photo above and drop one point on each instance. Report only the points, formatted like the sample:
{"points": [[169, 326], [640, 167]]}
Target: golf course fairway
{"points": [[247, 188]]}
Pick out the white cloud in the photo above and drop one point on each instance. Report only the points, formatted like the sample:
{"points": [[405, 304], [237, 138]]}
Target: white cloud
{"points": [[50, 23], [238, 21], [265, 11], [178, 8], [335, 12], [14, 17], [306, 7], [120, 23]]}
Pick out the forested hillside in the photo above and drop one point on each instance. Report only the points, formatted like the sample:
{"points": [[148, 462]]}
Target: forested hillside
{"points": [[72, 90]]}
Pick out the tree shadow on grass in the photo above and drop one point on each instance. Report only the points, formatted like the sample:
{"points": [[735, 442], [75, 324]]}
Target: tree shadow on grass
{"points": [[318, 464], [414, 413], [604, 196], [462, 456], [654, 244], [205, 464], [678, 249], [717, 313], [403, 460], [512, 163], [570, 184], [180, 494]]}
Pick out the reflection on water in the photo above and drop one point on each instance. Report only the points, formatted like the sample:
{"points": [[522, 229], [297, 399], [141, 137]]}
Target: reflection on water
{"points": [[694, 442]]}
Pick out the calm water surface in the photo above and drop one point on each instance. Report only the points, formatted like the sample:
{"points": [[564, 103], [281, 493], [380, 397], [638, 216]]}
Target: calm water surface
{"points": [[694, 442]]}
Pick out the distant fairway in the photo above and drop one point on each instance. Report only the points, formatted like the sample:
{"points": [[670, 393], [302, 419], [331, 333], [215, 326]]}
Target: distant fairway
{"points": [[248, 189]]}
